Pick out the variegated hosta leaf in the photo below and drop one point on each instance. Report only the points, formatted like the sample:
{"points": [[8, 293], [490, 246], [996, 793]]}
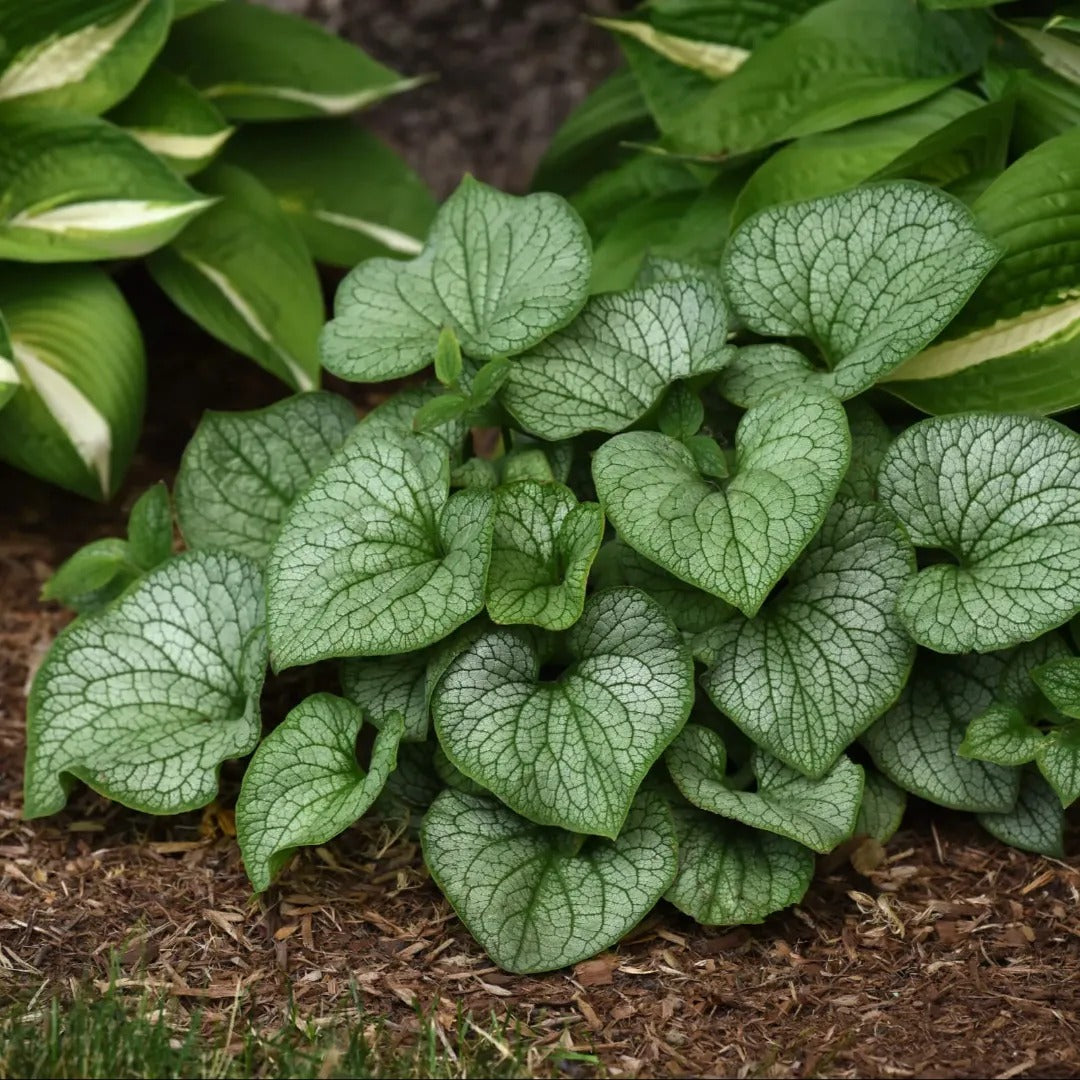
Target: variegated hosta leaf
{"points": [[542, 547], [349, 194], [569, 751], [258, 64], [538, 898], [611, 364], [243, 273], [733, 538], [9, 373], [818, 813], [870, 276], [144, 700], [1036, 823], [82, 55], [304, 785], [1000, 495], [882, 808], [242, 470], [916, 743], [77, 353], [173, 120], [731, 874], [74, 189], [375, 556], [826, 656], [502, 271]]}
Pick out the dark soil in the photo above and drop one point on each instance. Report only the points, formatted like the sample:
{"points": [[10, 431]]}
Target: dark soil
{"points": [[956, 957]]}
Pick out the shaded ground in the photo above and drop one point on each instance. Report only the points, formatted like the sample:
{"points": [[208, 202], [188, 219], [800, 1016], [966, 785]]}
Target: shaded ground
{"points": [[958, 957]]}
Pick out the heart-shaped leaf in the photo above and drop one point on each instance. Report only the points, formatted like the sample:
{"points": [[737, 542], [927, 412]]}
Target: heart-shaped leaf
{"points": [[732, 538], [539, 898], [817, 813], [827, 656], [570, 751], [543, 544], [1036, 823], [730, 874], [611, 364], [870, 276], [146, 699], [1059, 679], [1001, 496], [242, 470], [375, 556], [502, 271], [304, 785], [916, 743], [882, 808]]}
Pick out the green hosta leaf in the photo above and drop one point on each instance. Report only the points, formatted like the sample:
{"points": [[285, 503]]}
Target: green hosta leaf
{"points": [[173, 120], [304, 785], [1016, 343], [502, 271], [257, 64], [843, 61], [1035, 823], [870, 276], [9, 373], [73, 189], [77, 54], [734, 21], [150, 528], [712, 59], [611, 364], [730, 874], [543, 544], [916, 743], [350, 195], [1001, 495], [391, 685], [183, 8], [146, 699], [571, 751], [78, 355], [734, 538], [94, 575], [826, 656], [376, 556], [243, 273], [818, 813], [882, 808], [242, 470], [690, 609], [534, 898]]}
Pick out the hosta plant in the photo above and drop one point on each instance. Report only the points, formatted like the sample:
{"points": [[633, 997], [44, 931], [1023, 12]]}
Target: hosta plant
{"points": [[726, 108], [171, 130], [640, 599]]}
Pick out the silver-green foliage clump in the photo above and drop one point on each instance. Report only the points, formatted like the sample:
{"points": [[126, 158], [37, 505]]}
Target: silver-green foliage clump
{"points": [[636, 606]]}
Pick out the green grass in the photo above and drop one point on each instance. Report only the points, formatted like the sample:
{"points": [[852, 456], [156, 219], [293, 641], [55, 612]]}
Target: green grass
{"points": [[112, 1035]]}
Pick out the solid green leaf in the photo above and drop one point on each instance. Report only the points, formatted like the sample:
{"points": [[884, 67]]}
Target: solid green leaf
{"points": [[734, 21], [842, 61], [1000, 495], [442, 410], [173, 120], [1035, 823], [534, 898], [731, 875], [870, 276], [94, 575], [350, 195], [612, 363], [501, 270], [150, 528], [144, 700], [258, 64], [732, 538], [375, 556], [542, 547], [77, 352], [242, 470], [916, 743], [82, 55], [489, 380], [448, 365], [74, 188], [817, 813], [882, 808], [710, 458], [304, 784], [681, 413], [243, 273], [826, 656], [572, 749]]}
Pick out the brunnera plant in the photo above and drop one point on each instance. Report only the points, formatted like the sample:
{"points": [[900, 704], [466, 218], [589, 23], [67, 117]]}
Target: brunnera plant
{"points": [[701, 613]]}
